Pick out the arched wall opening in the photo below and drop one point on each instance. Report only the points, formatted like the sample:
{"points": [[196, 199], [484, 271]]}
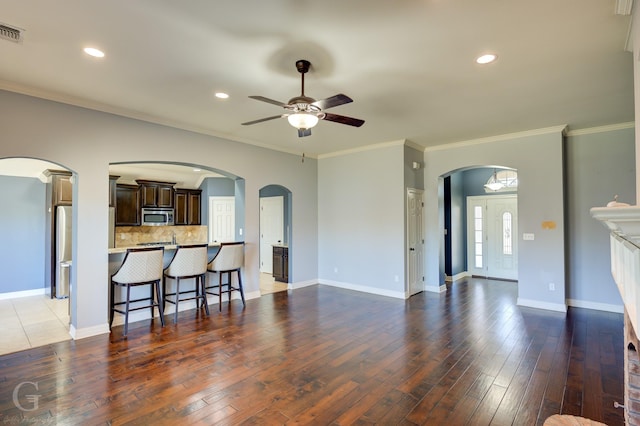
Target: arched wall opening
{"points": [[275, 236], [37, 251], [210, 182], [460, 255]]}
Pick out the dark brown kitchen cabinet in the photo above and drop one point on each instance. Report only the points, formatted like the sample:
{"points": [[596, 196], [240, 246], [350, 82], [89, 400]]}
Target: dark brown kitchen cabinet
{"points": [[127, 205], [156, 194], [112, 190], [61, 187], [281, 263], [187, 205]]}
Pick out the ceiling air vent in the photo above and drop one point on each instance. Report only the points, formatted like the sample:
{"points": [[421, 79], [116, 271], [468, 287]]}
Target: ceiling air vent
{"points": [[10, 33]]}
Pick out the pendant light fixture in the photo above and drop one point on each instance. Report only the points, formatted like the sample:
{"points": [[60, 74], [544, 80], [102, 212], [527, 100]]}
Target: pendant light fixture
{"points": [[494, 184]]}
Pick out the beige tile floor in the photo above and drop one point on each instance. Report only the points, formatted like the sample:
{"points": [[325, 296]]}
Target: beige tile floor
{"points": [[269, 285], [32, 321]]}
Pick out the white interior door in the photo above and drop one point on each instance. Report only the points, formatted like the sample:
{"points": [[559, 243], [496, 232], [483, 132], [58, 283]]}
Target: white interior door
{"points": [[492, 243], [415, 241], [222, 219], [271, 230]]}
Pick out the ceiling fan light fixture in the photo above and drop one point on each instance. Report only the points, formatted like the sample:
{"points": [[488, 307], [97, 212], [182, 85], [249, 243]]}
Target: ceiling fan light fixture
{"points": [[303, 120]]}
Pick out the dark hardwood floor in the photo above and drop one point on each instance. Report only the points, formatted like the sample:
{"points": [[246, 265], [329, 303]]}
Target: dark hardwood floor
{"points": [[327, 356]]}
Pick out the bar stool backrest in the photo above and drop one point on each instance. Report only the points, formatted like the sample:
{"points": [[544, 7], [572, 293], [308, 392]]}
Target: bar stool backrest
{"points": [[229, 258], [188, 261], [140, 265]]}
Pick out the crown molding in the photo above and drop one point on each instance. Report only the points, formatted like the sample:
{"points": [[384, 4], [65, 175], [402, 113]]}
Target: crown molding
{"points": [[601, 129], [499, 138], [362, 149]]}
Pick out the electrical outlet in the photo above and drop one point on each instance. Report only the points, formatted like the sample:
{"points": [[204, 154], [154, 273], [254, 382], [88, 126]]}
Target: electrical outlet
{"points": [[552, 287]]}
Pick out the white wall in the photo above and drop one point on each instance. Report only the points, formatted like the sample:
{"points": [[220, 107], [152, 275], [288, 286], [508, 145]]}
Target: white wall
{"points": [[538, 158], [361, 220], [87, 141]]}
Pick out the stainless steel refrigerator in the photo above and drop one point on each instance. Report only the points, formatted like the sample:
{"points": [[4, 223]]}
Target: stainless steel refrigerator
{"points": [[63, 251]]}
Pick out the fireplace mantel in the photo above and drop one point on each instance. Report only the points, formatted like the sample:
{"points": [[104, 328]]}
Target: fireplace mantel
{"points": [[623, 221]]}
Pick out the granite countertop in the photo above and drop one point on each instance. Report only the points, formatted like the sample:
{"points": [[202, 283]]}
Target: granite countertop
{"points": [[166, 247]]}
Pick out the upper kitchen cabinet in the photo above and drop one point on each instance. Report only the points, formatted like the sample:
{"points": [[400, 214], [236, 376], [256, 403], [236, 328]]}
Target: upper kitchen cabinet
{"points": [[187, 205], [112, 190], [61, 187], [127, 205], [156, 194]]}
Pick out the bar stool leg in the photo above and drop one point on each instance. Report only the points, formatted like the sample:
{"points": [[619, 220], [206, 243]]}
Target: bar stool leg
{"points": [[175, 315], [160, 308], [151, 299], [111, 304], [203, 293], [220, 291], [240, 286], [126, 311]]}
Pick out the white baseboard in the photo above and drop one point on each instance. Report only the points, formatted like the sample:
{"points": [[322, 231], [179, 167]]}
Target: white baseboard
{"points": [[82, 333], [435, 289], [558, 307], [456, 277], [302, 284], [23, 293], [618, 309], [364, 289]]}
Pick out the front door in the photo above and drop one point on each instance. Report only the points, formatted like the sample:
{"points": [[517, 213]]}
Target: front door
{"points": [[492, 229]]}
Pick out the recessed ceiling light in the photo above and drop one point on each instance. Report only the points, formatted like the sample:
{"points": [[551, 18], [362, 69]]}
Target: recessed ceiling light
{"points": [[221, 95], [94, 52], [486, 59], [197, 170]]}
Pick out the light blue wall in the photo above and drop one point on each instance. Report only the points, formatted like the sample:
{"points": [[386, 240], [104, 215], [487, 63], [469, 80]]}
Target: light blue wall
{"points": [[538, 159], [361, 220], [22, 228], [598, 166], [458, 229]]}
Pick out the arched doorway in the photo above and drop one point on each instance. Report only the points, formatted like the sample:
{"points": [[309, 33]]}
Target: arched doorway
{"points": [[275, 238], [36, 278], [467, 247]]}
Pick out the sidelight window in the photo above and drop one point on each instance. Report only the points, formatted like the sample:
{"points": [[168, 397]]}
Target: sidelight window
{"points": [[478, 236]]}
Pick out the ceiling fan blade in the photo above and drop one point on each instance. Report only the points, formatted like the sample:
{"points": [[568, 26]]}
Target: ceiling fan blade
{"points": [[304, 132], [343, 119], [267, 100], [333, 101], [261, 120]]}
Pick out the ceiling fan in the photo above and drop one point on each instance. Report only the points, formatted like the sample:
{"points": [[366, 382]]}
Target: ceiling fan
{"points": [[304, 112]]}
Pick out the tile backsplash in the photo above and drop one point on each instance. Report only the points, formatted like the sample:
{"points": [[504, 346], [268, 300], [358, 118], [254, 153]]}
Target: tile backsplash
{"points": [[129, 236]]}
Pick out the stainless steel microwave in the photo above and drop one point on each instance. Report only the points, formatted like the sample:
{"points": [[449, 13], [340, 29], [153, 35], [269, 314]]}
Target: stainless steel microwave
{"points": [[157, 217]]}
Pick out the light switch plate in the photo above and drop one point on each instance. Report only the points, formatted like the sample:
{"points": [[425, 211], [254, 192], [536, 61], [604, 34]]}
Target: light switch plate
{"points": [[528, 237]]}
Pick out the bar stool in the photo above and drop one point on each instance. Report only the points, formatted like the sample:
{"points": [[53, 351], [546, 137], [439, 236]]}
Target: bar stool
{"points": [[230, 258], [141, 266], [189, 261]]}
